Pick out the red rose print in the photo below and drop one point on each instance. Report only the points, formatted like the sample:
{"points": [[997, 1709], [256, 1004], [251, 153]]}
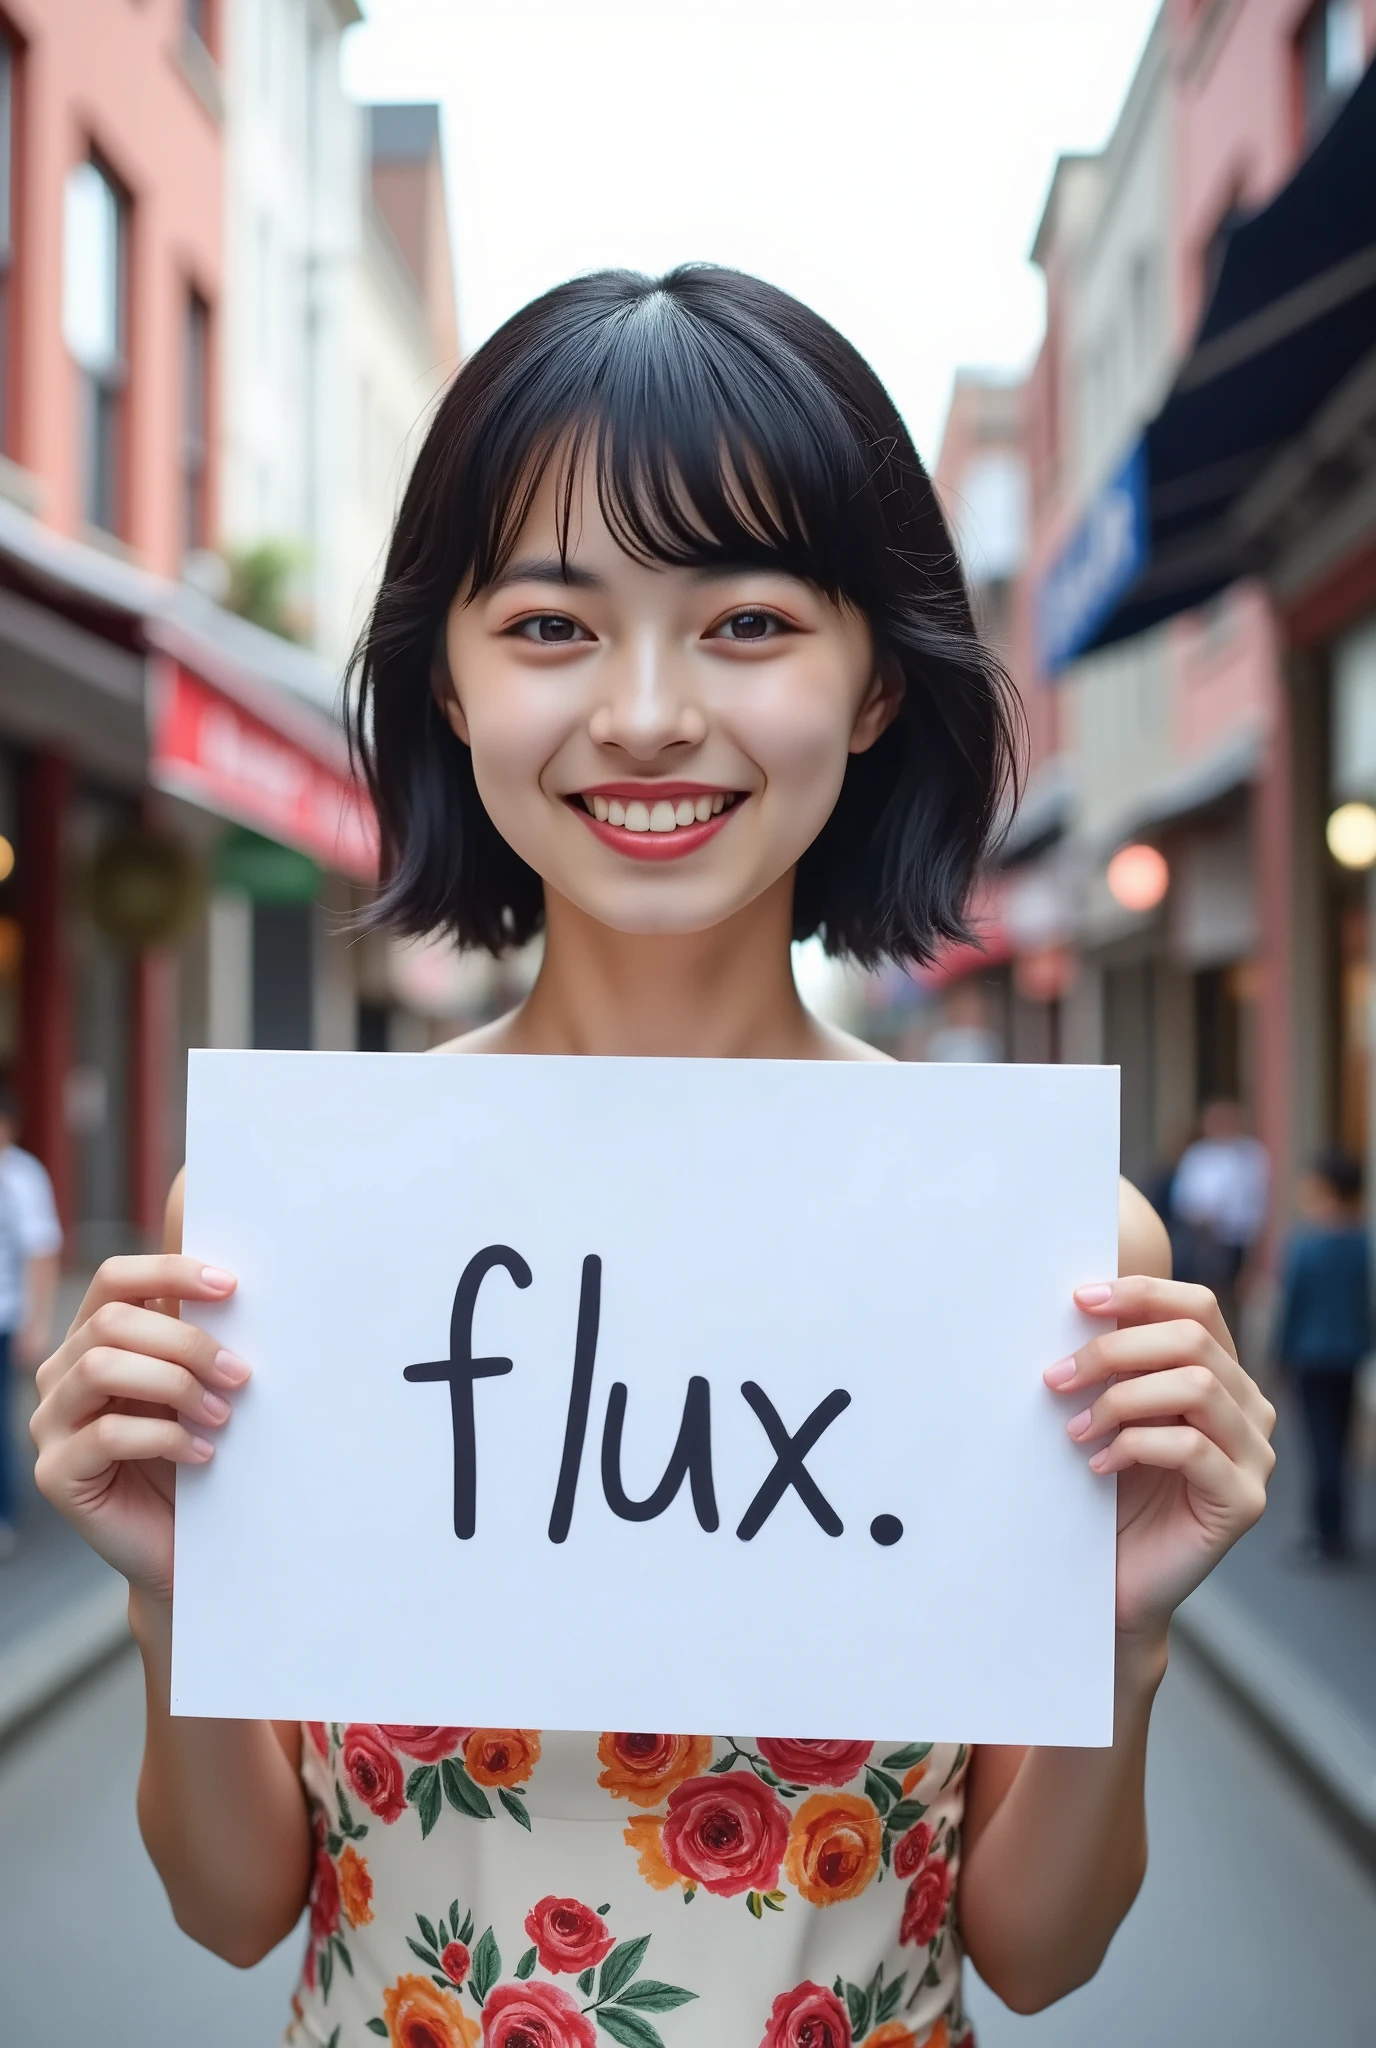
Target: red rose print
{"points": [[534, 2016], [324, 1898], [567, 1936], [727, 1834], [807, 2017], [911, 1852], [924, 1909], [316, 1731], [454, 1960], [799, 1762], [426, 1745], [373, 1770]]}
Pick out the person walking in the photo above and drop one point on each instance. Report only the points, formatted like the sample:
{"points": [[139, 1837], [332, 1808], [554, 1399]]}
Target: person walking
{"points": [[30, 1245], [1219, 1194], [1325, 1332]]}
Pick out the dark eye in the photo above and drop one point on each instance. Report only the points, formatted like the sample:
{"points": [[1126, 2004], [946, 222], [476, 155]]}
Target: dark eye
{"points": [[550, 629], [749, 625]]}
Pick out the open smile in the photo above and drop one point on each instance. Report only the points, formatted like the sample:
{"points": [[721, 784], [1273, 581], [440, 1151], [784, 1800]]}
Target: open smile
{"points": [[655, 820]]}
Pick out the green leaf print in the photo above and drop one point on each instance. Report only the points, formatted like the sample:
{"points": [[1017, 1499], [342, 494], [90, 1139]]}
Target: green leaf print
{"points": [[515, 1807], [586, 1981], [463, 1795], [465, 1934], [877, 1789], [621, 1965], [890, 1999], [752, 1900], [487, 1964], [426, 1955], [858, 2006], [527, 1964], [628, 2027], [326, 1971], [346, 1818], [905, 1815], [333, 2041], [423, 1790], [344, 1955], [648, 1995], [334, 1843], [904, 1759], [428, 1932], [378, 2027]]}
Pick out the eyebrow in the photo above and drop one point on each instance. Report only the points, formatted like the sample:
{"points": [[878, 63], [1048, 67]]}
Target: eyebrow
{"points": [[548, 569]]}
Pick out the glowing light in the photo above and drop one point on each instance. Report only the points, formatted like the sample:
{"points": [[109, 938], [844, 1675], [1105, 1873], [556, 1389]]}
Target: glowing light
{"points": [[6, 860], [1138, 877], [1351, 835]]}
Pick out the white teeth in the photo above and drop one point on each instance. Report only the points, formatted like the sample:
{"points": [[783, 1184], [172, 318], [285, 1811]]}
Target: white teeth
{"points": [[702, 810], [616, 812], [684, 812], [718, 805], [637, 817], [600, 808], [662, 817]]}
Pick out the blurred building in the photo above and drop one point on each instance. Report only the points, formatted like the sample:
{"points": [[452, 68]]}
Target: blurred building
{"points": [[1193, 632], [212, 325]]}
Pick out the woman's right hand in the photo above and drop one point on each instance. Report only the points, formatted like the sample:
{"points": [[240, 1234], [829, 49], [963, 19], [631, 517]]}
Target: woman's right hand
{"points": [[130, 1393]]}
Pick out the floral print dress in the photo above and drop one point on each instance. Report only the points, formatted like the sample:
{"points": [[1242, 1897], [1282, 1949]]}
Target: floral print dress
{"points": [[506, 1888]]}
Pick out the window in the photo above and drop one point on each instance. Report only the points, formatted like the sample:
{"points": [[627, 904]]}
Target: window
{"points": [[1329, 61], [7, 314], [195, 423], [94, 238]]}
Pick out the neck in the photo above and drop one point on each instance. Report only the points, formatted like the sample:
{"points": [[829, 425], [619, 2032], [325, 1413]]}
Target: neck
{"points": [[725, 993]]}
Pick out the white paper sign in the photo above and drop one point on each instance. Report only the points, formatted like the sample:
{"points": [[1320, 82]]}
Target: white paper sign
{"points": [[728, 1372]]}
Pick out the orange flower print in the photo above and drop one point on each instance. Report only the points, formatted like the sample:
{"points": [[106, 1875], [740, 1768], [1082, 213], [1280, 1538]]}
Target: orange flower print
{"points": [[913, 1778], [501, 1756], [644, 1768], [643, 1836], [893, 2034], [355, 1887], [833, 1847], [420, 2015]]}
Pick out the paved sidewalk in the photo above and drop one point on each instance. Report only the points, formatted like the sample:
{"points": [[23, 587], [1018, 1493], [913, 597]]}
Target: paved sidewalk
{"points": [[1299, 1640]]}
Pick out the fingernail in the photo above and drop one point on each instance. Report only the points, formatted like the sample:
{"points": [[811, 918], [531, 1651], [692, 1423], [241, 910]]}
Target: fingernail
{"points": [[202, 1448], [1078, 1424], [216, 1277], [1057, 1375], [214, 1409], [1095, 1296], [231, 1368], [1098, 1461]]}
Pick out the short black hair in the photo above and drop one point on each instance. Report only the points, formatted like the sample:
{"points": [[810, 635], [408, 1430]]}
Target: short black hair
{"points": [[730, 426], [1341, 1171]]}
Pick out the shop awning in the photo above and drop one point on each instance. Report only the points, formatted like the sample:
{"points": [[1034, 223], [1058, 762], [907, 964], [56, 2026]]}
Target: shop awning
{"points": [[1287, 342]]}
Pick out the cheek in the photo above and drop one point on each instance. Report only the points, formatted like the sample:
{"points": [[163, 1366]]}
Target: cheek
{"points": [[512, 733], [798, 730]]}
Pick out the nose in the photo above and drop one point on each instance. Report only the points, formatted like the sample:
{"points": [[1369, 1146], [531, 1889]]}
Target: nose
{"points": [[647, 703]]}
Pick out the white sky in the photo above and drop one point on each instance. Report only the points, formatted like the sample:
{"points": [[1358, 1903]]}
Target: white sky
{"points": [[885, 160]]}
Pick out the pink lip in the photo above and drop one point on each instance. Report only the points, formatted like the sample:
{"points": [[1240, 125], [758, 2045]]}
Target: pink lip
{"points": [[675, 845]]}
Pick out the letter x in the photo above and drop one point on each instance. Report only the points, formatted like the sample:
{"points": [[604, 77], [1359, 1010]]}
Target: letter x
{"points": [[789, 1469]]}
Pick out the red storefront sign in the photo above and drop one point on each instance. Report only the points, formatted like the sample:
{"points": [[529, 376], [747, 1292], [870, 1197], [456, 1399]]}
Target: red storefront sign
{"points": [[213, 752]]}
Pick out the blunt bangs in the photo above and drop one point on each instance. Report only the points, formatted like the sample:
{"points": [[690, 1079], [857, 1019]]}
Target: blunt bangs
{"points": [[728, 427]]}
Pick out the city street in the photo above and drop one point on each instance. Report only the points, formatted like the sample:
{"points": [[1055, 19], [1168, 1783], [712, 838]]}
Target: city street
{"points": [[1256, 1925]]}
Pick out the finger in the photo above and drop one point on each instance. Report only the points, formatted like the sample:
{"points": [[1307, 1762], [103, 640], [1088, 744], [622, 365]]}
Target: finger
{"points": [[1142, 1298], [114, 1439], [125, 1327], [1144, 1347], [168, 1276], [1189, 1393], [1178, 1448], [104, 1374]]}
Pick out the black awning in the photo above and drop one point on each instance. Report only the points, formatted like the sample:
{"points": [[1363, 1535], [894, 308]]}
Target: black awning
{"points": [[1292, 320]]}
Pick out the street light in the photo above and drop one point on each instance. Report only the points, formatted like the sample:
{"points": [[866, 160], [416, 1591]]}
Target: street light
{"points": [[1138, 877], [1351, 835]]}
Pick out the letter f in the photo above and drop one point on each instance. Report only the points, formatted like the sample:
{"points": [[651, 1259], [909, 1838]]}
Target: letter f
{"points": [[461, 1369]]}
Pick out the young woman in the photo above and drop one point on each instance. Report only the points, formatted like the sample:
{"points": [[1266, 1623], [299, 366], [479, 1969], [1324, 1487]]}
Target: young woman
{"points": [[672, 661]]}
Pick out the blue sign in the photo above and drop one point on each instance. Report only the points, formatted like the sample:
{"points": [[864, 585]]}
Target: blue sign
{"points": [[1106, 555]]}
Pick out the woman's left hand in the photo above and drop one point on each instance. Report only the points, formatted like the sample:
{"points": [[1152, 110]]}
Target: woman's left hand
{"points": [[1192, 1445]]}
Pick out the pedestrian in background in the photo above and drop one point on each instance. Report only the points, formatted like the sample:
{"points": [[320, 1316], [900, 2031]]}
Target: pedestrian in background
{"points": [[1219, 1193], [30, 1243], [1325, 1332]]}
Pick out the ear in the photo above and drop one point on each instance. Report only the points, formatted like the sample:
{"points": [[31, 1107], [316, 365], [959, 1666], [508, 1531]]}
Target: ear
{"points": [[442, 686], [879, 707]]}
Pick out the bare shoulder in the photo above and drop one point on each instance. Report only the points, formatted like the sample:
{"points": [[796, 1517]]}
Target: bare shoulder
{"points": [[834, 1044], [1143, 1246], [491, 1037]]}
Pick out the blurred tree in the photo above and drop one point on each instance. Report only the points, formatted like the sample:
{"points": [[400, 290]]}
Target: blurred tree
{"points": [[262, 587]]}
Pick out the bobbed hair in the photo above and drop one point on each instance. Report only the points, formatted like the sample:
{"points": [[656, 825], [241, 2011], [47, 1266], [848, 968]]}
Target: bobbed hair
{"points": [[729, 427]]}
